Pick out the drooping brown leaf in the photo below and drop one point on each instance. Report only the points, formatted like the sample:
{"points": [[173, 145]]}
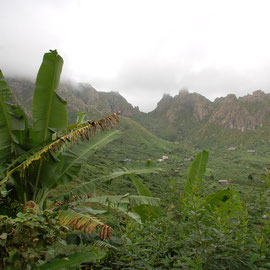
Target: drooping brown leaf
{"points": [[86, 223], [84, 133]]}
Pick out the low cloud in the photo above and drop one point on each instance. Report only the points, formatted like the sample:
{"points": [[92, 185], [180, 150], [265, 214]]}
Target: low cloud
{"points": [[142, 49], [144, 85]]}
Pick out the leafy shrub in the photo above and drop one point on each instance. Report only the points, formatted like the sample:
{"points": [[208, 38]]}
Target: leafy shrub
{"points": [[25, 239], [222, 230]]}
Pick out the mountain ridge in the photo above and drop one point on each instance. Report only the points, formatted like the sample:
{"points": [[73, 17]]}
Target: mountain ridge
{"points": [[185, 116]]}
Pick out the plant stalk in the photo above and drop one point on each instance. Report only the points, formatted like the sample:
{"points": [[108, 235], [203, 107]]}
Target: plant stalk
{"points": [[37, 180]]}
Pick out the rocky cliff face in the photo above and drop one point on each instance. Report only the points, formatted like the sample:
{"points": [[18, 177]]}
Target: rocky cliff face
{"points": [[244, 113], [232, 113], [190, 116], [183, 106]]}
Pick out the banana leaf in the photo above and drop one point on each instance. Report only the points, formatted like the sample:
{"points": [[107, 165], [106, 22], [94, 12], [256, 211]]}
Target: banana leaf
{"points": [[127, 171], [13, 122], [73, 260], [49, 109], [196, 172], [89, 187], [140, 208], [146, 211], [81, 152]]}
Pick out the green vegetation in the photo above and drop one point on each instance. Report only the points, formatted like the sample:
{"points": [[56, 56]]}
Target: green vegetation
{"points": [[36, 159], [201, 230], [60, 206]]}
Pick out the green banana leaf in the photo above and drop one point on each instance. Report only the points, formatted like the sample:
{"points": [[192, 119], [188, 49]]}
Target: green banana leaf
{"points": [[127, 171], [146, 211], [141, 189], [49, 109], [196, 172], [47, 172], [74, 260], [70, 162], [140, 208], [89, 187], [13, 122], [19, 125], [131, 200]]}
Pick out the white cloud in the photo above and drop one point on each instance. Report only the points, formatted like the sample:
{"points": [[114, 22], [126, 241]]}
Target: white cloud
{"points": [[143, 48]]}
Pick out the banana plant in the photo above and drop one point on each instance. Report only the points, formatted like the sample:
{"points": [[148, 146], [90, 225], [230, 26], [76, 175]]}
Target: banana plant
{"points": [[49, 153], [139, 207], [226, 203]]}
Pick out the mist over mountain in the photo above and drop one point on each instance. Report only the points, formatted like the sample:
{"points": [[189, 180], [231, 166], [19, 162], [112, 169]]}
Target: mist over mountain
{"points": [[80, 97], [183, 117]]}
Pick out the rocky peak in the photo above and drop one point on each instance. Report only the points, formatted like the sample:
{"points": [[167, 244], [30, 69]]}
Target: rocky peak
{"points": [[183, 106], [183, 92], [258, 93], [165, 103], [196, 104], [257, 96]]}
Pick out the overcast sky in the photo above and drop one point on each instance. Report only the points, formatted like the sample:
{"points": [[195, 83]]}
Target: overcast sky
{"points": [[143, 49]]}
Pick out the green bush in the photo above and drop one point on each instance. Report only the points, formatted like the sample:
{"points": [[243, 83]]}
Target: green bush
{"points": [[25, 239], [223, 230]]}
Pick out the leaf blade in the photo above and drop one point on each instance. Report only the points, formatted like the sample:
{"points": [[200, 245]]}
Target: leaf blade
{"points": [[49, 109], [196, 172], [80, 152], [13, 121]]}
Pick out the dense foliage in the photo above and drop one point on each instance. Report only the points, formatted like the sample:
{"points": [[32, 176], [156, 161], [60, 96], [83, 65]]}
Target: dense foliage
{"points": [[36, 158], [201, 230], [26, 238], [218, 231], [59, 202]]}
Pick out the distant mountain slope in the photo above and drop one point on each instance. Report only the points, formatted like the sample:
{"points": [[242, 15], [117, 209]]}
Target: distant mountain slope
{"points": [[192, 117], [186, 117], [176, 117], [83, 97], [138, 136], [79, 96], [96, 103]]}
